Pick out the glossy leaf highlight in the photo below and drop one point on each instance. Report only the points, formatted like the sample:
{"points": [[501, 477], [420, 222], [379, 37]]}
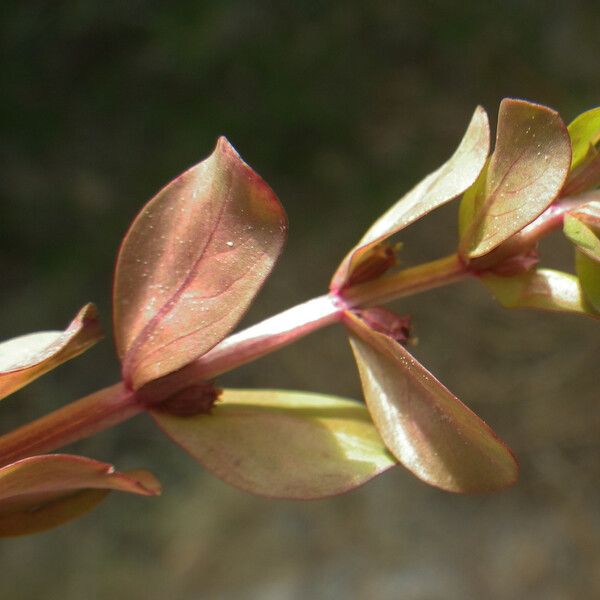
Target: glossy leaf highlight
{"points": [[27, 357], [526, 172], [423, 424], [191, 263], [438, 188], [41, 492], [283, 444], [543, 289]]}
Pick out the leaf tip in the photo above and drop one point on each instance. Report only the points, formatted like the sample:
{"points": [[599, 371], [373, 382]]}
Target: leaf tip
{"points": [[145, 482], [224, 146]]}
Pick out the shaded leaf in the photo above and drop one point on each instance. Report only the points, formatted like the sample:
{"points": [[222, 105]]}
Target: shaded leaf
{"points": [[438, 188], [191, 263], [544, 289], [379, 259], [41, 492], [582, 227], [283, 444], [588, 271], [27, 357], [525, 174], [424, 425], [385, 321]]}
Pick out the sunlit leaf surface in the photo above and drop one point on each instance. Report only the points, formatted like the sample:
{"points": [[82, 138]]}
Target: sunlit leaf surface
{"points": [[424, 425], [41, 492], [191, 263], [525, 174], [283, 444], [585, 133], [25, 358], [585, 163], [441, 186], [582, 227], [543, 289], [588, 271], [471, 202]]}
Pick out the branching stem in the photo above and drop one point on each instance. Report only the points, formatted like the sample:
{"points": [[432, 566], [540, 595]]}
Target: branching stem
{"points": [[114, 404]]}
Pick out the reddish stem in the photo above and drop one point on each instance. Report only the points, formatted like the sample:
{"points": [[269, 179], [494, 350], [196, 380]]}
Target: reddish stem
{"points": [[248, 345], [526, 239], [115, 404], [552, 218], [78, 420], [407, 282]]}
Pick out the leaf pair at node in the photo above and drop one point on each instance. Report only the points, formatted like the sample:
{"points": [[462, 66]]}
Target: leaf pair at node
{"points": [[582, 223], [189, 267], [292, 444], [504, 197], [199, 252], [540, 172], [44, 491], [427, 429]]}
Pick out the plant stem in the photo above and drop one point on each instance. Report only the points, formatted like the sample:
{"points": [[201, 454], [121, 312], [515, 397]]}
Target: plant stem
{"points": [[115, 404], [248, 345], [78, 420], [552, 218], [291, 325], [526, 239], [407, 282]]}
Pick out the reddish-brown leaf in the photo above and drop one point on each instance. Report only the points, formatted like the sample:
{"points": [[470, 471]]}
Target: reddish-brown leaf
{"points": [[526, 172], [27, 357], [41, 492], [423, 424], [191, 263], [438, 188]]}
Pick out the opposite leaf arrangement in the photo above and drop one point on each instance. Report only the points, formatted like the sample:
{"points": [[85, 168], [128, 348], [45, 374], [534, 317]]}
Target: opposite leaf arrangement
{"points": [[197, 255]]}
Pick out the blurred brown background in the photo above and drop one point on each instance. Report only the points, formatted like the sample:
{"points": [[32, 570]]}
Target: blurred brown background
{"points": [[341, 107]]}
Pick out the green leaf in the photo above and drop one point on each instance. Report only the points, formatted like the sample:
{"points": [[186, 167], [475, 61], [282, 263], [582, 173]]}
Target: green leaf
{"points": [[27, 357], [588, 271], [585, 133], [438, 188], [423, 424], [585, 163], [543, 289], [41, 492], [582, 227], [192, 262], [471, 202], [283, 444], [526, 173]]}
